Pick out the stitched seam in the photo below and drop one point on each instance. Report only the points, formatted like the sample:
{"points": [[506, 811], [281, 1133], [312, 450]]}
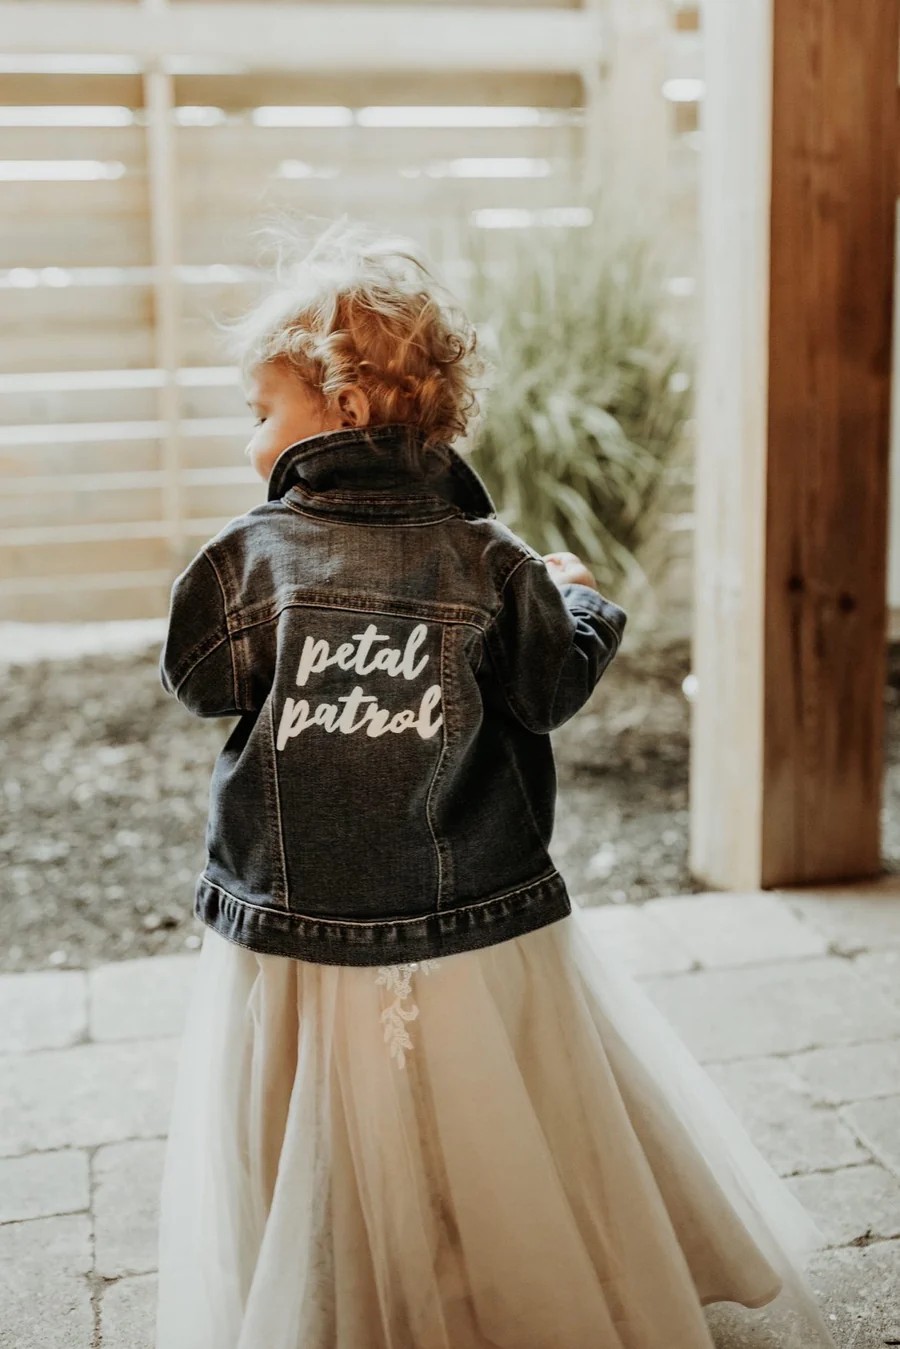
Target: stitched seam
{"points": [[363, 434], [360, 497], [469, 478], [284, 879], [434, 777], [551, 706], [609, 627], [527, 809], [339, 518], [234, 686], [476, 668], [596, 614], [521, 562], [526, 720], [194, 664], [379, 922], [361, 609], [512, 700]]}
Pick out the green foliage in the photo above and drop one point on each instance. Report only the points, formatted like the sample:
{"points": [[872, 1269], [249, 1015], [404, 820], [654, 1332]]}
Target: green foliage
{"points": [[581, 437]]}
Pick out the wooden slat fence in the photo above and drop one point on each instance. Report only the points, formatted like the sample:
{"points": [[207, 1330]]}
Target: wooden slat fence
{"points": [[126, 229]]}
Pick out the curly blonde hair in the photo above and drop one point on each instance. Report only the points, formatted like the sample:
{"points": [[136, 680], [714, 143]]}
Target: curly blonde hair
{"points": [[349, 304]]}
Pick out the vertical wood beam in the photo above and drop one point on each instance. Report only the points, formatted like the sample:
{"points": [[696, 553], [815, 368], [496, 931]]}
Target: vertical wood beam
{"points": [[159, 101], [726, 739], [627, 119], [594, 73], [798, 212]]}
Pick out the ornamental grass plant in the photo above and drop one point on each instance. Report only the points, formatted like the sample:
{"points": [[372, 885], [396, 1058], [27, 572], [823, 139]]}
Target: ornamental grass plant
{"points": [[583, 440]]}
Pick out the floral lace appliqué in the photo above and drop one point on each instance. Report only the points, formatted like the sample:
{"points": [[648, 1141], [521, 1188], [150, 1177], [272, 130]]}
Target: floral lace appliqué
{"points": [[398, 979]]}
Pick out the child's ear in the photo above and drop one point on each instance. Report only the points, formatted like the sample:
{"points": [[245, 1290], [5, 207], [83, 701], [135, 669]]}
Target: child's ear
{"points": [[353, 405]]}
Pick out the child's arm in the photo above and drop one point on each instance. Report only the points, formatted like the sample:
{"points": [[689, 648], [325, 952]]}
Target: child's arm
{"points": [[197, 660], [551, 643]]}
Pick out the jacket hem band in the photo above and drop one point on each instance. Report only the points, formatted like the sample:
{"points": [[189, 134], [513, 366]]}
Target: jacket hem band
{"points": [[384, 941]]}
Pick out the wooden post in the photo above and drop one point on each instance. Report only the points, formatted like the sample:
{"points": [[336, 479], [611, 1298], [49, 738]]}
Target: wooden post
{"points": [[798, 211], [162, 172], [627, 118]]}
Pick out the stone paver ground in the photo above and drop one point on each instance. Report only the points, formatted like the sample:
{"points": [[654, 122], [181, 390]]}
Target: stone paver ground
{"points": [[791, 1001]]}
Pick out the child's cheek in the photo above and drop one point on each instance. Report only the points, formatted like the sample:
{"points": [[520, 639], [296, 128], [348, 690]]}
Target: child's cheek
{"points": [[259, 455]]}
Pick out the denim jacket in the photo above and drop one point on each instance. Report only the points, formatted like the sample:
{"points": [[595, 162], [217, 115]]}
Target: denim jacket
{"points": [[396, 658]]}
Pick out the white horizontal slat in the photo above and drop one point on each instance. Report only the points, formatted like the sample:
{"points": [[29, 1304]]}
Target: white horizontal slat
{"points": [[98, 550], [231, 241], [97, 457], [68, 306], [90, 405], [72, 308], [314, 37], [19, 489], [480, 4], [125, 144], [211, 236], [207, 192], [75, 433], [29, 519], [220, 210], [34, 539], [124, 198], [77, 582], [24, 408], [80, 348], [40, 554], [86, 598], [50, 240], [60, 406], [203, 377], [109, 505], [242, 146]]}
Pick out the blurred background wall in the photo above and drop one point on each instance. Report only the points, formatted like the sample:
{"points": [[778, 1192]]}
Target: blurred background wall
{"points": [[140, 145]]}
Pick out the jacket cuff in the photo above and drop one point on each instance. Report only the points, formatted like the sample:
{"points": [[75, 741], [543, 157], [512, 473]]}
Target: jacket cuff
{"points": [[610, 616]]}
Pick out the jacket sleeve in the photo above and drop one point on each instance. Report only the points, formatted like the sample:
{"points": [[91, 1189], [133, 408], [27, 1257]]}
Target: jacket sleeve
{"points": [[550, 645], [197, 661]]}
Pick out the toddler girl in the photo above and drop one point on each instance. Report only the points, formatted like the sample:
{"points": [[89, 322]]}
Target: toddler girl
{"points": [[417, 1107]]}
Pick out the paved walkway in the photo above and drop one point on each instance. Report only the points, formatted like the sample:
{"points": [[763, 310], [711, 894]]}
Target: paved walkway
{"points": [[792, 1001]]}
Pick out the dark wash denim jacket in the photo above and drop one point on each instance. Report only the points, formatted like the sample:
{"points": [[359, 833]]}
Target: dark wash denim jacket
{"points": [[396, 657]]}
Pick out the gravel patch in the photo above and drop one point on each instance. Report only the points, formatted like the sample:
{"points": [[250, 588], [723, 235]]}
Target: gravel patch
{"points": [[105, 779]]}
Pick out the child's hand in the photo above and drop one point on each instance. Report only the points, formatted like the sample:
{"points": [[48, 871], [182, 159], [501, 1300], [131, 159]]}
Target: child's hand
{"points": [[567, 569]]}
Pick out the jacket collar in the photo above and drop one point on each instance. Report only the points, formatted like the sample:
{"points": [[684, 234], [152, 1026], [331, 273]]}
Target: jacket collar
{"points": [[377, 469]]}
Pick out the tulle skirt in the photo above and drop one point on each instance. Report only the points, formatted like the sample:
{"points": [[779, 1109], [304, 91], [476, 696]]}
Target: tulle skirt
{"points": [[509, 1148]]}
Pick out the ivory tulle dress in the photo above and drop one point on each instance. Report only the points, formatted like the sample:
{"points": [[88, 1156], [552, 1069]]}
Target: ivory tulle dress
{"points": [[508, 1148]]}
